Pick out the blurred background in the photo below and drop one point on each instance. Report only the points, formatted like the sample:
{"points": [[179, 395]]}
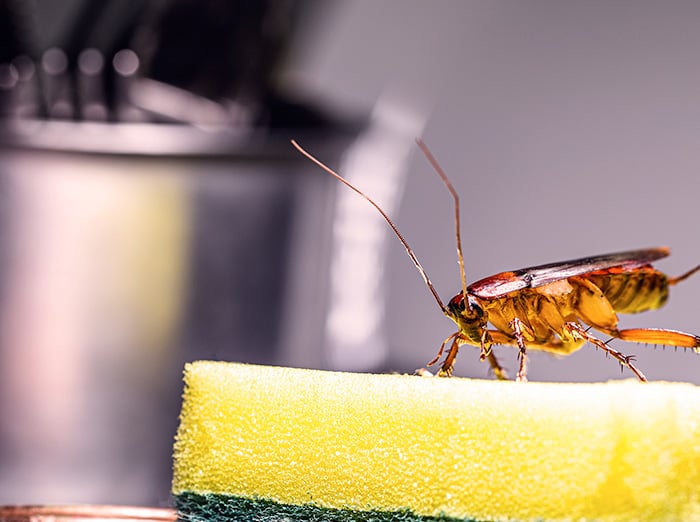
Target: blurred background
{"points": [[153, 212]]}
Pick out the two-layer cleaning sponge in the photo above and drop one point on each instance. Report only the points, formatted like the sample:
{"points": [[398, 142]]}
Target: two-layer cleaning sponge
{"points": [[270, 443]]}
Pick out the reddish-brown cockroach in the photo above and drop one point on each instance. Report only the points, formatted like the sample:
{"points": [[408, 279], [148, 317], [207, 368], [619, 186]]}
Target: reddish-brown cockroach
{"points": [[548, 307]]}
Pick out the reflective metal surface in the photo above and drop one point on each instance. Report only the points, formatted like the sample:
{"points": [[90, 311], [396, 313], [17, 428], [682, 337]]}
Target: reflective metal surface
{"points": [[84, 512]]}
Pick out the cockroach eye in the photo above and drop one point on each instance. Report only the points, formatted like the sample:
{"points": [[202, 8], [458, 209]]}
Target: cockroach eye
{"points": [[475, 307]]}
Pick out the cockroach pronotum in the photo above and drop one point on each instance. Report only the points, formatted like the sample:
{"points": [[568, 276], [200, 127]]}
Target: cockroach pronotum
{"points": [[548, 307]]}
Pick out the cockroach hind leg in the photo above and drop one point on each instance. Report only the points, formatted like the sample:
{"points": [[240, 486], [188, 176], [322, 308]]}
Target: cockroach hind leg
{"points": [[660, 336], [577, 331]]}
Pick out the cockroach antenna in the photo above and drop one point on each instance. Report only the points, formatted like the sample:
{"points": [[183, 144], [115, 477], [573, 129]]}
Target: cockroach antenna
{"points": [[405, 244], [440, 172]]}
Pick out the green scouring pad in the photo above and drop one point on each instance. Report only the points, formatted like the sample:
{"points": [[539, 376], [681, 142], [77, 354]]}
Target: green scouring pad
{"points": [[282, 444]]}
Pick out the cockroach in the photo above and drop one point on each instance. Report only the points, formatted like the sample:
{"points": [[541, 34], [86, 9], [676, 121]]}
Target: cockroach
{"points": [[549, 307]]}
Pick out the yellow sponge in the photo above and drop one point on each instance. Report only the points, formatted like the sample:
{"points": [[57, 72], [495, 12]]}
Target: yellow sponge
{"points": [[342, 444]]}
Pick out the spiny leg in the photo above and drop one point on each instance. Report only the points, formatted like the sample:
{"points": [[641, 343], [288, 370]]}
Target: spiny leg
{"points": [[442, 348], [576, 330], [447, 366], [516, 325], [659, 336], [449, 363]]}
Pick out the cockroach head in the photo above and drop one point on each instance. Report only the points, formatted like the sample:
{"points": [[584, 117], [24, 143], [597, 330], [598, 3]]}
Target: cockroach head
{"points": [[470, 317], [468, 308]]}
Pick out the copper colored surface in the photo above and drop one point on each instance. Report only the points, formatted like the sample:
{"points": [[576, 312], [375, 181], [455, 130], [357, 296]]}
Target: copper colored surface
{"points": [[84, 513]]}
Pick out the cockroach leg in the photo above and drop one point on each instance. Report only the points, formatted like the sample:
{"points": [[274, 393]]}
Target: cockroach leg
{"points": [[485, 345], [660, 336], [496, 367], [449, 362], [442, 348], [516, 325], [447, 366], [576, 330]]}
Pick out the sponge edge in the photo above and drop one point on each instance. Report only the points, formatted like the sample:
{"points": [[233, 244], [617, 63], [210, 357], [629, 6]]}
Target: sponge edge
{"points": [[455, 448]]}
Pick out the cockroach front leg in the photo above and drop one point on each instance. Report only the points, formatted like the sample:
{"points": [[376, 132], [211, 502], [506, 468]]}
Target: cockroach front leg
{"points": [[516, 325], [448, 364], [457, 340], [446, 367], [487, 353], [578, 331]]}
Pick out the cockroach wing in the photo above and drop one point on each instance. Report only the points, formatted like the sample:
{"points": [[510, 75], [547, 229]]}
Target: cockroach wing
{"points": [[498, 285]]}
